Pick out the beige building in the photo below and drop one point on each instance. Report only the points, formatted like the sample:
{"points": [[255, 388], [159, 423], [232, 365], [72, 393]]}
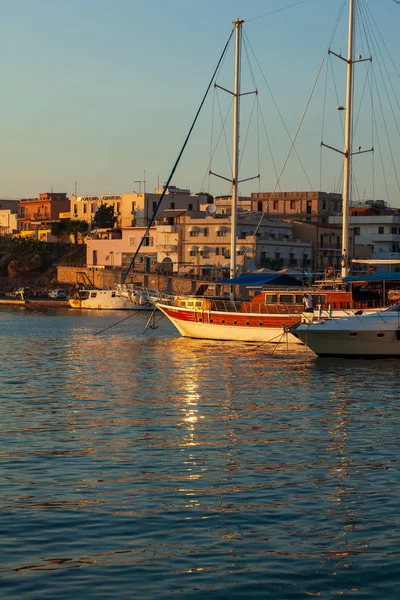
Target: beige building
{"points": [[198, 243], [326, 243], [134, 209]]}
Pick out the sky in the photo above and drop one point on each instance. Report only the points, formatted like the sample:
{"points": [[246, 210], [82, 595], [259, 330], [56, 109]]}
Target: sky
{"points": [[99, 95]]}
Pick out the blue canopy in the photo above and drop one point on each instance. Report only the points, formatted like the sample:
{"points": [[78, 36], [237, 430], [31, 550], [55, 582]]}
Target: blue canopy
{"points": [[373, 277], [263, 279]]}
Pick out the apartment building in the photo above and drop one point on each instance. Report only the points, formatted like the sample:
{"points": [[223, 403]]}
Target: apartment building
{"points": [[311, 207], [38, 213], [134, 209]]}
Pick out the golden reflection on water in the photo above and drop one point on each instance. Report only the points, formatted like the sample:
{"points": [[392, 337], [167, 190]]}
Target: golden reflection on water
{"points": [[185, 431]]}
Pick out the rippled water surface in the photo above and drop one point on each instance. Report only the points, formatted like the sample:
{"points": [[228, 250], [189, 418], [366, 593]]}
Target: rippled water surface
{"points": [[144, 465]]}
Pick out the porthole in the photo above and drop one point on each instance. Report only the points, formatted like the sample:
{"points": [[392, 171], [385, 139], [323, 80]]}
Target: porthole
{"points": [[211, 320], [247, 324], [223, 322], [235, 322], [380, 335], [200, 320], [260, 324]]}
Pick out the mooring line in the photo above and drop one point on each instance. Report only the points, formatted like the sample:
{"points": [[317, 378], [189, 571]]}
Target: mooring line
{"points": [[114, 324]]}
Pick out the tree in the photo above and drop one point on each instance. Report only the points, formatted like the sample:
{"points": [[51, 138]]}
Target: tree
{"points": [[105, 217], [76, 228], [59, 229]]}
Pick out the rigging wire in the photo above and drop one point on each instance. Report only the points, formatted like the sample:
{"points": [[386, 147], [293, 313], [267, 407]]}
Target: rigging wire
{"points": [[382, 69], [153, 216], [280, 114], [272, 12]]}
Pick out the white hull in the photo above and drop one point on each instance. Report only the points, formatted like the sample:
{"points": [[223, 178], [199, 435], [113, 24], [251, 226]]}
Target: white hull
{"points": [[371, 336], [211, 331], [103, 300]]}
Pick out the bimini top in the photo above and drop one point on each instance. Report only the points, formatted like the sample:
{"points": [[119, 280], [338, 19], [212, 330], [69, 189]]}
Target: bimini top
{"points": [[373, 277], [263, 279]]}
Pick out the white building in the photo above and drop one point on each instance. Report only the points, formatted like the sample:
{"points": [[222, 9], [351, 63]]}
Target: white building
{"points": [[8, 216], [134, 209], [375, 236]]}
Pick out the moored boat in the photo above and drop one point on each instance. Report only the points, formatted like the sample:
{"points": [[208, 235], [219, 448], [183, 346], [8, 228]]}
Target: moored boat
{"points": [[365, 336], [98, 299]]}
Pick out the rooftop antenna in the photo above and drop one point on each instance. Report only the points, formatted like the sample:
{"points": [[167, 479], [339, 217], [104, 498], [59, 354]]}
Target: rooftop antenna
{"points": [[140, 181], [76, 188]]}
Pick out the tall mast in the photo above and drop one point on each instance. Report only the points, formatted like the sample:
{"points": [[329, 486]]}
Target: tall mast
{"points": [[235, 154], [348, 143]]}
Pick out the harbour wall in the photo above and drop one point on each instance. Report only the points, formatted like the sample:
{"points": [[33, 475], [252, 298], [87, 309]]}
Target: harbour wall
{"points": [[109, 278]]}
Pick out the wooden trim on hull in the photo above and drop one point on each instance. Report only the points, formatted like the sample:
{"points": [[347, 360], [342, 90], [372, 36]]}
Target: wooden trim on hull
{"points": [[230, 326]]}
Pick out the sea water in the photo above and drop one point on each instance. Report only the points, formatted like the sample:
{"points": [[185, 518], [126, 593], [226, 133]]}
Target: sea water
{"points": [[144, 465]]}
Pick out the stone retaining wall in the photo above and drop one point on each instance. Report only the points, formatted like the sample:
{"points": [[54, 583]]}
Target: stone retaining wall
{"points": [[108, 278]]}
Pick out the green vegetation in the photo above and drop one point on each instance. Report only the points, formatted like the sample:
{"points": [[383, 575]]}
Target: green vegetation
{"points": [[104, 217], [65, 228]]}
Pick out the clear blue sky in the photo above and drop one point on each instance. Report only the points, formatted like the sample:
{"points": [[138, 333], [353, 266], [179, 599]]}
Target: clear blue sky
{"points": [[102, 91]]}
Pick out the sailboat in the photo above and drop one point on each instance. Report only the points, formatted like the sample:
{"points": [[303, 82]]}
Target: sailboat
{"points": [[376, 335], [261, 317]]}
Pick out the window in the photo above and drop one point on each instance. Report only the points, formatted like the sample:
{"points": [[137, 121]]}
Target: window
{"points": [[192, 253], [217, 251], [92, 208], [292, 204], [275, 204], [85, 209], [286, 298], [93, 294], [194, 233], [381, 230], [172, 204], [271, 298], [394, 230], [221, 233], [205, 232], [260, 206], [148, 241], [131, 241], [154, 205], [356, 231], [190, 207]]}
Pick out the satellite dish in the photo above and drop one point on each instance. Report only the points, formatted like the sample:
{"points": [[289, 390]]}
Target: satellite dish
{"points": [[211, 209]]}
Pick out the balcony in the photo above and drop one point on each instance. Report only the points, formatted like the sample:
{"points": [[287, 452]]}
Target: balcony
{"points": [[40, 215], [167, 228], [167, 247]]}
